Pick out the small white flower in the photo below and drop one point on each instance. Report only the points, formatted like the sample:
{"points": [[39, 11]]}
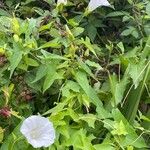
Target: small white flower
{"points": [[61, 2], [39, 131], [93, 4]]}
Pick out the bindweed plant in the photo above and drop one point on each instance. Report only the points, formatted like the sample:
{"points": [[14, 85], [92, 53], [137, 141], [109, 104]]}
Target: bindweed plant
{"points": [[74, 75]]}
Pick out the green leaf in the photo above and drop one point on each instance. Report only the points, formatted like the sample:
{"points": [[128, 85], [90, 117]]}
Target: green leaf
{"points": [[93, 64], [135, 95], [31, 27], [46, 27], [79, 140], [84, 83], [88, 44], [5, 24], [64, 130], [50, 78], [130, 31], [15, 60], [104, 146], [53, 44], [77, 31], [41, 72], [86, 69], [120, 129], [89, 118], [16, 26], [29, 77], [148, 8], [135, 69], [146, 51], [121, 47], [92, 31], [130, 148], [4, 13], [15, 141], [131, 138], [58, 108], [117, 13], [31, 62], [1, 134], [70, 85], [118, 88], [48, 55]]}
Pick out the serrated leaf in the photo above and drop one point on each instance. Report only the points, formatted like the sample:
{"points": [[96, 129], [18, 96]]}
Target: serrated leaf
{"points": [[119, 129], [89, 118]]}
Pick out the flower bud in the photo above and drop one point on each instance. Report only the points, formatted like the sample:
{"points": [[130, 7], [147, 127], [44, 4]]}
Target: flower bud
{"points": [[5, 112]]}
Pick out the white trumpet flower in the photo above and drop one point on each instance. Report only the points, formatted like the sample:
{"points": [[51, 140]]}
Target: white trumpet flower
{"points": [[39, 131], [61, 2], [93, 4]]}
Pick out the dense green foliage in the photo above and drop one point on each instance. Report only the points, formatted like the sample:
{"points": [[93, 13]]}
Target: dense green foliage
{"points": [[90, 74]]}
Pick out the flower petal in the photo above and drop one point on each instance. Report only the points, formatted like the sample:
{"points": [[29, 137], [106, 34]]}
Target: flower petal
{"points": [[93, 4], [62, 2], [38, 131]]}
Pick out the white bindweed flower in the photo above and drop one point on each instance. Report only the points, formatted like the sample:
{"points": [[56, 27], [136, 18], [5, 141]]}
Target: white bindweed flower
{"points": [[61, 2], [39, 131], [93, 4]]}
